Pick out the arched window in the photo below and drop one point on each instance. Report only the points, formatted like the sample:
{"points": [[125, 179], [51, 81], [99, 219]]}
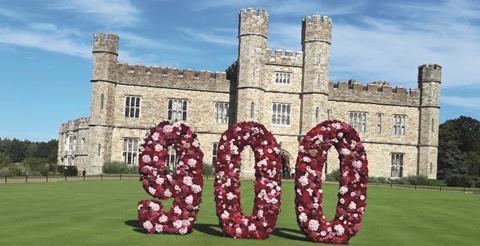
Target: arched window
{"points": [[102, 99]]}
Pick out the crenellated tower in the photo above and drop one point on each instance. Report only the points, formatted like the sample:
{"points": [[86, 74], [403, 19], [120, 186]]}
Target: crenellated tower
{"points": [[429, 79], [316, 40], [105, 53], [252, 44]]}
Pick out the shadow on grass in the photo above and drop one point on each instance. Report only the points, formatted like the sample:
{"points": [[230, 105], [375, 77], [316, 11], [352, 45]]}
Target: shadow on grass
{"points": [[291, 234], [210, 229], [135, 224]]}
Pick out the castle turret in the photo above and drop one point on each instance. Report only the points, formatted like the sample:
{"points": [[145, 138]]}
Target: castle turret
{"points": [[316, 40], [252, 37], [429, 79], [105, 53]]}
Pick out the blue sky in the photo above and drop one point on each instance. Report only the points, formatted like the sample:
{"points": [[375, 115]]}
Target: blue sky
{"points": [[45, 47]]}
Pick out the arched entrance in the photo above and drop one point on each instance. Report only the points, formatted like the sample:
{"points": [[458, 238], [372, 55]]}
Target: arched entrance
{"points": [[286, 167]]}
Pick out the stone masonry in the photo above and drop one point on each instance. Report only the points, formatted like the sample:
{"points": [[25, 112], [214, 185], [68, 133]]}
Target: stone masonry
{"points": [[392, 121]]}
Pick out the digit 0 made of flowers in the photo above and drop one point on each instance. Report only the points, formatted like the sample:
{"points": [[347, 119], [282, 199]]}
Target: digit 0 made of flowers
{"points": [[312, 155], [184, 184], [263, 219]]}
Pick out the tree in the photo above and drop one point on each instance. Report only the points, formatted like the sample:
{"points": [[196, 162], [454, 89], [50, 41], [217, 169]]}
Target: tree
{"points": [[459, 148]]}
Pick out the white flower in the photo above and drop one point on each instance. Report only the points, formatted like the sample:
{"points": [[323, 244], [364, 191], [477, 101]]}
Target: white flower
{"points": [[306, 159], [151, 190], [189, 199], [301, 149], [339, 229], [252, 227], [195, 143], [158, 147], [316, 205], [177, 224], [263, 162], [238, 230], [146, 158], [187, 180], [158, 227], [340, 134], [357, 164], [167, 128], [303, 180], [260, 213], [196, 188], [300, 209], [148, 225], [303, 217], [163, 218], [345, 151], [167, 193], [362, 197], [224, 215], [192, 162], [155, 136], [343, 190], [313, 225], [353, 194], [310, 191], [154, 206], [323, 233], [160, 180], [342, 201], [177, 210], [183, 230], [230, 196], [352, 205]]}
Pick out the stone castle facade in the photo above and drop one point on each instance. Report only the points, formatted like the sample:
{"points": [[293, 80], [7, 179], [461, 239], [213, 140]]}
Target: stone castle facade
{"points": [[289, 92]]}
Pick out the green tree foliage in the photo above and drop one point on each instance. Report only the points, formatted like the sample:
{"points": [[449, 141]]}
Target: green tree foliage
{"points": [[459, 149], [18, 150]]}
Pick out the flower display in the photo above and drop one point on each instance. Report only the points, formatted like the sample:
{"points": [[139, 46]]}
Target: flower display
{"points": [[184, 184], [267, 182], [312, 156]]}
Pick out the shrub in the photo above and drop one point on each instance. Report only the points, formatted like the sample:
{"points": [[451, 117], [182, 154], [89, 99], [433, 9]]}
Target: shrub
{"points": [[67, 170], [13, 170], [458, 180], [118, 167], [208, 169], [333, 175]]}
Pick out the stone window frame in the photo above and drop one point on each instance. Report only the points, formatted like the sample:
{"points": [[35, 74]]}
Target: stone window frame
{"points": [[399, 124], [282, 77], [317, 115], [358, 120], [396, 168], [378, 123], [214, 153], [136, 108], [130, 150], [252, 110], [183, 111], [282, 118], [220, 114], [102, 101]]}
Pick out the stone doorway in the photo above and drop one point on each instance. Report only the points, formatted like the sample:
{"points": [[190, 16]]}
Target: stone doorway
{"points": [[286, 165]]}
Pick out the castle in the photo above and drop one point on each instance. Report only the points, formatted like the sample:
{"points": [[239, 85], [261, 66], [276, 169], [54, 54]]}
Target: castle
{"points": [[289, 92]]}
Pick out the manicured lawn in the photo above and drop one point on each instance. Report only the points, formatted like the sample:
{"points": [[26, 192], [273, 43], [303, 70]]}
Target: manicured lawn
{"points": [[104, 213]]}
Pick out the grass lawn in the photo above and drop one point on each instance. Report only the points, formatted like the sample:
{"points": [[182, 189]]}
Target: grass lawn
{"points": [[104, 213]]}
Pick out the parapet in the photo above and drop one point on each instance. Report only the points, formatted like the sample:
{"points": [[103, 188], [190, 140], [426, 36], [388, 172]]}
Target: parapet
{"points": [[317, 28], [429, 73], [166, 77], [284, 57], [253, 22], [375, 92], [105, 43], [75, 125]]}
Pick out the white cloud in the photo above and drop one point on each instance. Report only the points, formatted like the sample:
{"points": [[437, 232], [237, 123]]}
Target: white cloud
{"points": [[218, 36], [464, 102], [110, 12]]}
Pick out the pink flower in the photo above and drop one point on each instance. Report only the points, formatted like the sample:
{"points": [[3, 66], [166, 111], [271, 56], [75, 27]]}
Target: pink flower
{"points": [[313, 225], [187, 180], [167, 128], [189, 200], [147, 225], [146, 158]]}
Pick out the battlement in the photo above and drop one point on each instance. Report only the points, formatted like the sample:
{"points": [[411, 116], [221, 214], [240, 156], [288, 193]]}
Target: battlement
{"points": [[253, 22], [317, 28], [429, 73], [284, 57], [374, 92], [166, 77], [74, 125], [103, 42]]}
